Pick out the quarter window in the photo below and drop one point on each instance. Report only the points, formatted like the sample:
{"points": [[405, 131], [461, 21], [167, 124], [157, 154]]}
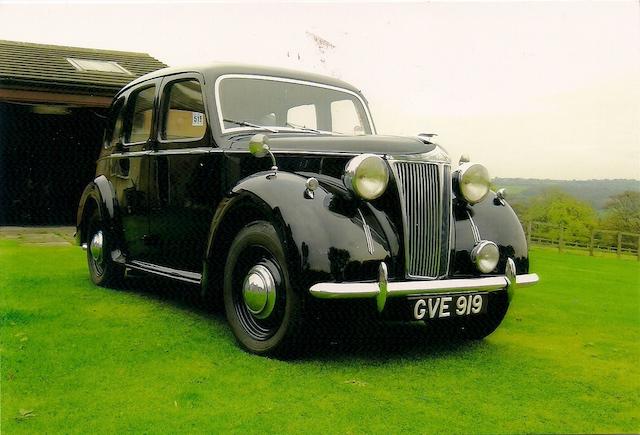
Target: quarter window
{"points": [[184, 116], [141, 115]]}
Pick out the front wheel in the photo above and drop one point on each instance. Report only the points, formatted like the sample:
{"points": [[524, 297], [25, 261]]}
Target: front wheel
{"points": [[264, 313]]}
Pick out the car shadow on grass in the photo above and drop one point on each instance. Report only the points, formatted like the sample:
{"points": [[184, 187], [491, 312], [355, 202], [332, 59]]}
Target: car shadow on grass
{"points": [[385, 341], [329, 339], [183, 296]]}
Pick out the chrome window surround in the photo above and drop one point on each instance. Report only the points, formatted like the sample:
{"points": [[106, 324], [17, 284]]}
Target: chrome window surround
{"points": [[279, 79], [444, 224]]}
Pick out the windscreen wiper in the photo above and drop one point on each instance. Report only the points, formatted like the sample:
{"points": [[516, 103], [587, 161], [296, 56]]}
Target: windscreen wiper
{"points": [[302, 127], [250, 124]]}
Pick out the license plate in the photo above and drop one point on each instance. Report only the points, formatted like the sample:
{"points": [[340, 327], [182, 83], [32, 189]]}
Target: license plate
{"points": [[446, 306]]}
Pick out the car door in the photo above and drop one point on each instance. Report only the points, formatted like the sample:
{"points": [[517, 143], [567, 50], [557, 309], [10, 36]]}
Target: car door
{"points": [[130, 168], [185, 176]]}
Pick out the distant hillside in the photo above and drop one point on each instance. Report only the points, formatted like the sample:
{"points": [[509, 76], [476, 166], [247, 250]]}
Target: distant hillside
{"points": [[595, 192]]}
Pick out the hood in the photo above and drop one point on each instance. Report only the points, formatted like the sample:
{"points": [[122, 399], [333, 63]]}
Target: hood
{"points": [[375, 144]]}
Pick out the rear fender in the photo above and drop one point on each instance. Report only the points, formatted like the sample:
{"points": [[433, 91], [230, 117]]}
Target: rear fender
{"points": [[99, 193]]}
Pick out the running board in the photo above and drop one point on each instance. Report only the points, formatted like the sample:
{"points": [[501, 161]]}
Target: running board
{"points": [[181, 275]]}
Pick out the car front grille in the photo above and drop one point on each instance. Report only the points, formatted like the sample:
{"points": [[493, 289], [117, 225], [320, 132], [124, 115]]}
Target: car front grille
{"points": [[425, 197]]}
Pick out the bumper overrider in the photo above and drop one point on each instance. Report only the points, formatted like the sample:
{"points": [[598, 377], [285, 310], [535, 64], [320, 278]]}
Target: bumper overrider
{"points": [[384, 289]]}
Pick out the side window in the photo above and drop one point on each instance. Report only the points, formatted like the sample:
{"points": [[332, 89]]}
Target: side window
{"points": [[184, 116], [345, 119], [116, 121], [303, 116], [140, 115]]}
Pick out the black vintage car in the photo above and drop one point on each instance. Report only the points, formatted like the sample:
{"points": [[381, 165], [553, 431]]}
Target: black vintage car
{"points": [[332, 211]]}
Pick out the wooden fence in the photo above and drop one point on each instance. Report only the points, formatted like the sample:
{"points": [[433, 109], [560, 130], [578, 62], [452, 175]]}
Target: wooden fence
{"points": [[618, 242]]}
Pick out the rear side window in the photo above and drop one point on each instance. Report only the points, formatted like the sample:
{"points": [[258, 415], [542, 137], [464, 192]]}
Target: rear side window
{"points": [[116, 120], [184, 116], [140, 115]]}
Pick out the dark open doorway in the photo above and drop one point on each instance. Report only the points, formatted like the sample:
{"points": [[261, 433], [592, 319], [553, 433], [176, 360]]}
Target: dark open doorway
{"points": [[47, 157]]}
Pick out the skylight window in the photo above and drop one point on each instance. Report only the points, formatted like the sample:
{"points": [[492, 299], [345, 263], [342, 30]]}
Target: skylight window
{"points": [[97, 65]]}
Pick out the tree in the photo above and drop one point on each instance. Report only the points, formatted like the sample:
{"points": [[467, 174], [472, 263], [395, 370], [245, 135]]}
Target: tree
{"points": [[558, 208], [623, 212]]}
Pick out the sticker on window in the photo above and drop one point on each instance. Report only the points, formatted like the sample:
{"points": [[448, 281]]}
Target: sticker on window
{"points": [[197, 119]]}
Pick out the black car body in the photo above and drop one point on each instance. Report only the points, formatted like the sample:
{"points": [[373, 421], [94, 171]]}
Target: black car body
{"points": [[335, 212]]}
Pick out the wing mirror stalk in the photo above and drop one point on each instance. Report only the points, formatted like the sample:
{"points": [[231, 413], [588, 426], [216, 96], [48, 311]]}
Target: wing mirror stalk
{"points": [[259, 148]]}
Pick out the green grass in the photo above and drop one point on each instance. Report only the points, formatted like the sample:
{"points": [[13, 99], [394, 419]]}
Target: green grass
{"points": [[77, 358]]}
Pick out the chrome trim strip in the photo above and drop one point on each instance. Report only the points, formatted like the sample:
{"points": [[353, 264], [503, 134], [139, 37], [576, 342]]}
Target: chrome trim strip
{"points": [[322, 153], [383, 281], [436, 155], [474, 229], [279, 79], [367, 233], [527, 280], [356, 290], [423, 158], [446, 201], [403, 208], [129, 154], [181, 275], [176, 151], [405, 288]]}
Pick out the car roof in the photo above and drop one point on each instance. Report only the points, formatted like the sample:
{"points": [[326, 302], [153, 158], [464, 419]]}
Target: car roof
{"points": [[212, 71]]}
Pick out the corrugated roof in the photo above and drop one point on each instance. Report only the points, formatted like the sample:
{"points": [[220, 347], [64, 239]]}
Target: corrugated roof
{"points": [[28, 65]]}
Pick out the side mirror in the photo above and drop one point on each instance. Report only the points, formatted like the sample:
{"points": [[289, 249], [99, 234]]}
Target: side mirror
{"points": [[258, 145], [259, 148]]}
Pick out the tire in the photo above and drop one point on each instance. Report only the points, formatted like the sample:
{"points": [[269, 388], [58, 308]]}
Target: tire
{"points": [[102, 269], [255, 267], [482, 326]]}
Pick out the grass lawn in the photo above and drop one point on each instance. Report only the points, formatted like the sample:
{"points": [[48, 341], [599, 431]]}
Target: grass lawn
{"points": [[78, 358]]}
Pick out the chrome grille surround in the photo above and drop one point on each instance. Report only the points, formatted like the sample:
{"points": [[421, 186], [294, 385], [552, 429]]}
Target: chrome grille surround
{"points": [[425, 199]]}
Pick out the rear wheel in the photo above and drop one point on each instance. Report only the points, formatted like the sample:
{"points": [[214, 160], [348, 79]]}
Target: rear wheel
{"points": [[264, 312], [102, 269]]}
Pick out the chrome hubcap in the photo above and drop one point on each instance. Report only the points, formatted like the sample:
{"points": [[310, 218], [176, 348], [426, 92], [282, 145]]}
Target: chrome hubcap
{"points": [[95, 247], [259, 291]]}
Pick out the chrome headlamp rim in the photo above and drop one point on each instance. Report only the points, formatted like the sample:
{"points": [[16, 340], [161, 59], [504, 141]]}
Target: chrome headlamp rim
{"points": [[485, 255], [464, 185], [352, 176]]}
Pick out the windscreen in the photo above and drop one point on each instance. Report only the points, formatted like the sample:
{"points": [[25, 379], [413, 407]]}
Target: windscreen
{"points": [[285, 104]]}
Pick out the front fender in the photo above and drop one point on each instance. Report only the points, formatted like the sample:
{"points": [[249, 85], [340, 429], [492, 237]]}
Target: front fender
{"points": [[496, 221], [323, 235], [98, 193]]}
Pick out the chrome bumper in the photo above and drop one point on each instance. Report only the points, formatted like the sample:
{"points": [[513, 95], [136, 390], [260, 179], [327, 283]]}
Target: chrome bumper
{"points": [[383, 289]]}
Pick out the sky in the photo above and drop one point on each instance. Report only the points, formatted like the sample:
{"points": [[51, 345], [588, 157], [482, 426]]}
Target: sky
{"points": [[530, 89]]}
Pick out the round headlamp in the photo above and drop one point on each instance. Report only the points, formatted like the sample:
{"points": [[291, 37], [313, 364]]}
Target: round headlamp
{"points": [[472, 182], [367, 176], [485, 255]]}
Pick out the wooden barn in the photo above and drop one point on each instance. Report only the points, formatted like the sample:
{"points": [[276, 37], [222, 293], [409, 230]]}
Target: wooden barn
{"points": [[53, 103]]}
